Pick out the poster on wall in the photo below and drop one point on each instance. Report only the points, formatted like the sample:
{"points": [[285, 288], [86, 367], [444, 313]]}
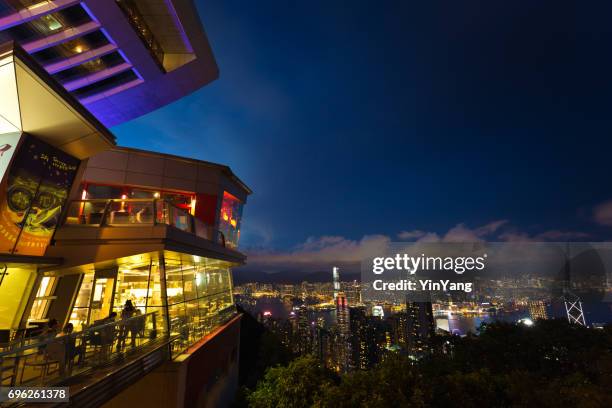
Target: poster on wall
{"points": [[32, 197]]}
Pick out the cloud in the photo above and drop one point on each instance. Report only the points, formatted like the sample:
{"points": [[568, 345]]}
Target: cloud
{"points": [[490, 227], [555, 235], [551, 236], [410, 235], [459, 233], [321, 253], [603, 213], [462, 233]]}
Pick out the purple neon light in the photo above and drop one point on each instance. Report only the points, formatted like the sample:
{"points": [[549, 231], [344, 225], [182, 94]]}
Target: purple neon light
{"points": [[95, 77], [58, 38], [31, 13]]}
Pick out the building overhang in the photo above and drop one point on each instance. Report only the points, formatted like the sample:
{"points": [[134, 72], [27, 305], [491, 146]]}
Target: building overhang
{"points": [[27, 262], [32, 102], [80, 245]]}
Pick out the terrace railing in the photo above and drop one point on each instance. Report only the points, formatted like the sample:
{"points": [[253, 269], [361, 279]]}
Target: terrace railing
{"points": [[137, 212], [50, 358]]}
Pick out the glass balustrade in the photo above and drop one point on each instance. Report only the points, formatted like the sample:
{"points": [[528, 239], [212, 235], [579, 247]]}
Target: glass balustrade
{"points": [[51, 357], [137, 212]]}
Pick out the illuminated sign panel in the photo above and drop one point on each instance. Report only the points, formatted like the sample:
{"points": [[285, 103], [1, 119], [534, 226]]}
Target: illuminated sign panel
{"points": [[32, 197]]}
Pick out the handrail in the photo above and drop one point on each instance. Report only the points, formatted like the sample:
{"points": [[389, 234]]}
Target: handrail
{"points": [[101, 212], [54, 338], [53, 357]]}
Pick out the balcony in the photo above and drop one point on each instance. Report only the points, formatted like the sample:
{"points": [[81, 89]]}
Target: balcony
{"points": [[105, 358], [100, 230], [137, 213]]}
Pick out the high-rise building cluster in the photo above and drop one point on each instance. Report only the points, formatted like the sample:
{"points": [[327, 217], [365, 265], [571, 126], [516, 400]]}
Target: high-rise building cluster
{"points": [[347, 334]]}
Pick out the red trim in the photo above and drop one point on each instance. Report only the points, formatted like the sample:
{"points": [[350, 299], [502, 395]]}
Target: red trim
{"points": [[206, 208]]}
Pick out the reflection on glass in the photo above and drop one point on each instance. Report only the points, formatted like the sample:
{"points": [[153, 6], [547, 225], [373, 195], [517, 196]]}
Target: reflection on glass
{"points": [[206, 299], [155, 288], [43, 298], [174, 282], [229, 219], [192, 295], [132, 284], [101, 299], [81, 306], [189, 283]]}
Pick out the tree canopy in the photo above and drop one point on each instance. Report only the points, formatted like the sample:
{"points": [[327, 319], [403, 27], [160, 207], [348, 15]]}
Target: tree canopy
{"points": [[550, 364]]}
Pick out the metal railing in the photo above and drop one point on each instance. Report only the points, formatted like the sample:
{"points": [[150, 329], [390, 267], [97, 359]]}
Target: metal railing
{"points": [[137, 212], [53, 357]]}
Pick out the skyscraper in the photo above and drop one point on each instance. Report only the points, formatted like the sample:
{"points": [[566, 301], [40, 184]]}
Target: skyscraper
{"points": [[336, 280], [537, 309], [343, 333], [420, 325]]}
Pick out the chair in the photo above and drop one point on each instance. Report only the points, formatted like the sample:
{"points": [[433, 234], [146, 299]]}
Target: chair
{"points": [[56, 353], [39, 361]]}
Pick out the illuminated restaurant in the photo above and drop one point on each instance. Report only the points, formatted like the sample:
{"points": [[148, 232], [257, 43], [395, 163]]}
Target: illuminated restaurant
{"points": [[89, 229]]}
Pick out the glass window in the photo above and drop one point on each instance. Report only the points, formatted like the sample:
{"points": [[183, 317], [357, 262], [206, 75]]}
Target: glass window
{"points": [[176, 313], [132, 284], [174, 282], [43, 298], [80, 312], [82, 299], [189, 282], [101, 298], [229, 219], [94, 191], [180, 200], [135, 193], [155, 288]]}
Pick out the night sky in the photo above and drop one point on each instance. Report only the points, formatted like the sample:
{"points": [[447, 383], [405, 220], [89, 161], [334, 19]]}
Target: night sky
{"points": [[437, 119]]}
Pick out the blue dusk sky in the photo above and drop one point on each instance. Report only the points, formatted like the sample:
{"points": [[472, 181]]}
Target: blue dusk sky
{"points": [[358, 121]]}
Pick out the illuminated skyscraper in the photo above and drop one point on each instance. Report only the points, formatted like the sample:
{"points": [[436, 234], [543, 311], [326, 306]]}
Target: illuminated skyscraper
{"points": [[537, 310], [336, 280], [420, 325], [343, 334]]}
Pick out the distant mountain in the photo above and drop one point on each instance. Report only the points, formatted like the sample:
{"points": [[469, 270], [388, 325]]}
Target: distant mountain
{"points": [[246, 276]]}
